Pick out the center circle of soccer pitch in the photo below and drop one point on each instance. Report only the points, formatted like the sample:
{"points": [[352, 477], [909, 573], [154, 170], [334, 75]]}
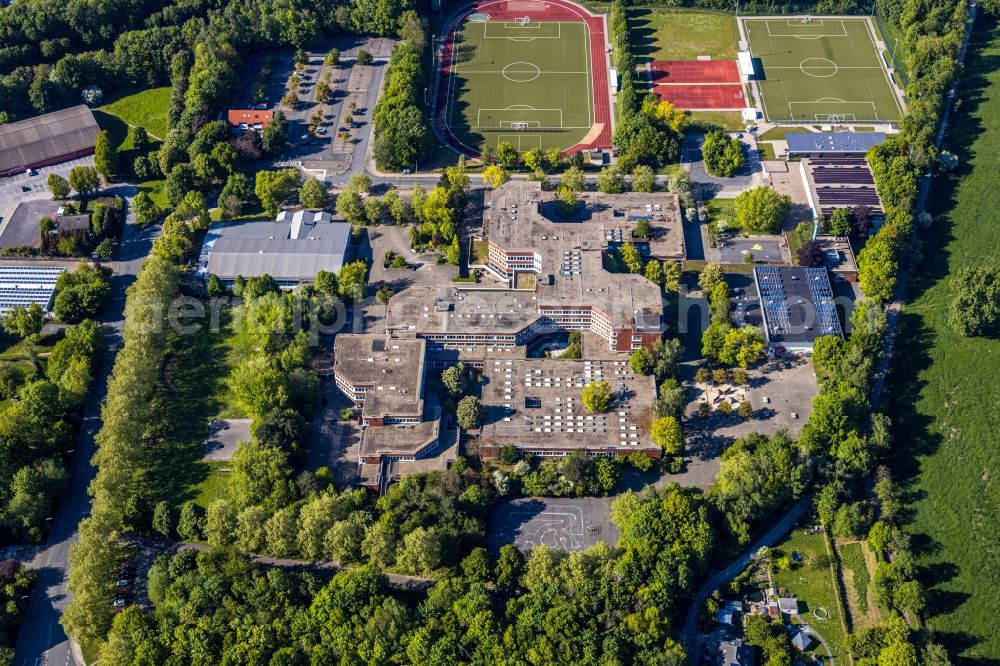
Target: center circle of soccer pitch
{"points": [[820, 68], [521, 72]]}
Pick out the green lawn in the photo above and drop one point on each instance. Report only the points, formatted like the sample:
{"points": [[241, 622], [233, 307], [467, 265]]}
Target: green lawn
{"points": [[198, 367], [944, 387], [717, 210], [215, 485], [683, 34], [812, 583], [817, 70], [538, 74], [143, 108], [766, 150], [779, 133], [727, 120]]}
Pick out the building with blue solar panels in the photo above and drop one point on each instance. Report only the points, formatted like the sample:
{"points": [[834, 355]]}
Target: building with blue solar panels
{"points": [[797, 304]]}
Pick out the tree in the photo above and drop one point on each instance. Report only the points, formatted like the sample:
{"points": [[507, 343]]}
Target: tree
{"points": [[454, 378], [312, 194], [84, 179], [975, 308], [745, 410], [631, 257], [643, 178], [81, 293], [163, 519], [351, 280], [506, 154], [840, 221], [641, 361], [811, 254], [23, 322], [877, 269], [711, 276], [332, 58], [495, 176], [273, 187], [105, 155], [258, 387], [671, 275], [274, 137], [761, 210], [534, 158], [723, 155], [476, 566], [742, 346], [58, 185], [596, 396], [469, 412], [379, 545], [421, 552], [191, 523], [364, 58], [573, 180], [326, 283], [666, 433], [610, 181]]}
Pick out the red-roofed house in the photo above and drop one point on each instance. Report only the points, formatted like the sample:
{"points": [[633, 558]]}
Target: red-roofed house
{"points": [[249, 117]]}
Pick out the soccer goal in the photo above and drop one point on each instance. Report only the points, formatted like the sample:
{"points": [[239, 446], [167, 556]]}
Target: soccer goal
{"points": [[519, 125], [523, 21], [806, 19]]}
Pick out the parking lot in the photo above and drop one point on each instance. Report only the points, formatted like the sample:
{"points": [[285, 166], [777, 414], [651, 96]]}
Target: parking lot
{"points": [[567, 524], [223, 438], [22, 187]]}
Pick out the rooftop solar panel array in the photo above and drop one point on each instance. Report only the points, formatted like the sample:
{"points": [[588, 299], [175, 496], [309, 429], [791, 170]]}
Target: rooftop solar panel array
{"points": [[23, 285], [797, 303]]}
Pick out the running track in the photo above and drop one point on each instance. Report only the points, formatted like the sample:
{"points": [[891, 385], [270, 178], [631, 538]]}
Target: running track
{"points": [[555, 10]]}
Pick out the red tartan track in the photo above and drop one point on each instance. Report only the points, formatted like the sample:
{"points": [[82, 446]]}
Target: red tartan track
{"points": [[694, 71], [554, 10], [697, 98]]}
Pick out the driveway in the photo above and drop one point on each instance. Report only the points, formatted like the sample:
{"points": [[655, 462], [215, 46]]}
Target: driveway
{"points": [[726, 188], [41, 639]]}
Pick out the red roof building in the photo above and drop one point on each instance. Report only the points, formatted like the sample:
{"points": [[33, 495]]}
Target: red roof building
{"points": [[249, 117]]}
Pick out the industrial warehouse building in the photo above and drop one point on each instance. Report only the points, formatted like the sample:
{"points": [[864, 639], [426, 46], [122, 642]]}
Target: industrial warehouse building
{"points": [[291, 250], [48, 139]]}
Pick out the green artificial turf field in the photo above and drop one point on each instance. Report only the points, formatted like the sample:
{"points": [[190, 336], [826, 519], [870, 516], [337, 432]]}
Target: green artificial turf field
{"points": [[826, 70], [504, 74]]}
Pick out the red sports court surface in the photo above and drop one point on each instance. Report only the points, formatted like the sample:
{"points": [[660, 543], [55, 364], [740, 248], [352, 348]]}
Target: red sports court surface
{"points": [[694, 71], [536, 10], [698, 84], [701, 97]]}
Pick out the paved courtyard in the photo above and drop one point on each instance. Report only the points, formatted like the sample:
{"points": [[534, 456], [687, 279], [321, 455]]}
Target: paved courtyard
{"points": [[567, 524]]}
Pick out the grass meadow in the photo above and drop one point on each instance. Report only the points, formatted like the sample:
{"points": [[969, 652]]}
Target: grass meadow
{"points": [[683, 34], [143, 108], [943, 391]]}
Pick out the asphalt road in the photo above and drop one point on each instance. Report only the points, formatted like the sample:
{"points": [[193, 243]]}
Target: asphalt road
{"points": [[722, 576], [42, 639]]}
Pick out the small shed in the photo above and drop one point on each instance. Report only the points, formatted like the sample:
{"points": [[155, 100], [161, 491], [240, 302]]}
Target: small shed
{"points": [[801, 641], [789, 605]]}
